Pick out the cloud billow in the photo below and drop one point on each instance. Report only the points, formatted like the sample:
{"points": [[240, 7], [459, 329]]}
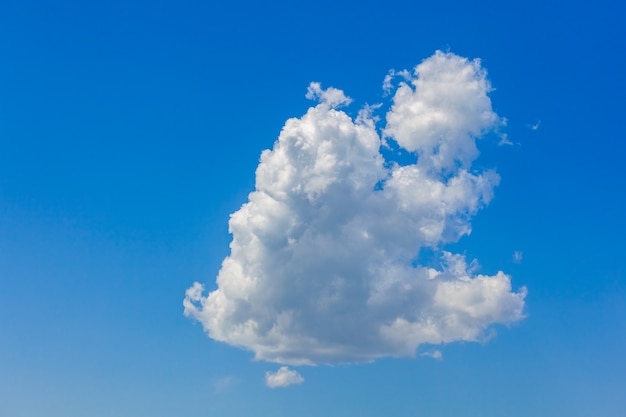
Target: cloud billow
{"points": [[322, 266]]}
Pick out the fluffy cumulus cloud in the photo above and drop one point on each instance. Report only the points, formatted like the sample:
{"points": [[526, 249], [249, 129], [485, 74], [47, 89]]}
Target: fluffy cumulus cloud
{"points": [[324, 264], [283, 378]]}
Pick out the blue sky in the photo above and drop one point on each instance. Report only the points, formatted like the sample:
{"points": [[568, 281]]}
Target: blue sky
{"points": [[130, 131]]}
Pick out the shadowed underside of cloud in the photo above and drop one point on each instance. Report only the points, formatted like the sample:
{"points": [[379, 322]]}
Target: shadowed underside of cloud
{"points": [[323, 265]]}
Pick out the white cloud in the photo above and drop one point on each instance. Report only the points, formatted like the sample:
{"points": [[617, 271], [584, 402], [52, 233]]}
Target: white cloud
{"points": [[442, 111], [518, 256], [536, 125], [435, 354], [388, 81], [504, 140], [331, 96], [322, 264], [282, 378]]}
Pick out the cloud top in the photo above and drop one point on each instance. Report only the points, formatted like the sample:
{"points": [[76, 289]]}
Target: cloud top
{"points": [[323, 264], [282, 378], [439, 113]]}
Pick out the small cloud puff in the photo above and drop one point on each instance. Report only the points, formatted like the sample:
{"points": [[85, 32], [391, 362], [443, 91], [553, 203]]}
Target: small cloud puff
{"points": [[435, 354], [322, 265], [518, 256], [388, 81], [504, 140], [332, 97], [282, 378]]}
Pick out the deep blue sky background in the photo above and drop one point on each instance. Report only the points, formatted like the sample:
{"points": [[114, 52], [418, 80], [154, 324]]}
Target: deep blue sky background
{"points": [[129, 131]]}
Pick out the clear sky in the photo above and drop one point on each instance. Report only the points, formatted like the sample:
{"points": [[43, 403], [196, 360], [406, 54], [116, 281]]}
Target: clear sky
{"points": [[131, 130]]}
